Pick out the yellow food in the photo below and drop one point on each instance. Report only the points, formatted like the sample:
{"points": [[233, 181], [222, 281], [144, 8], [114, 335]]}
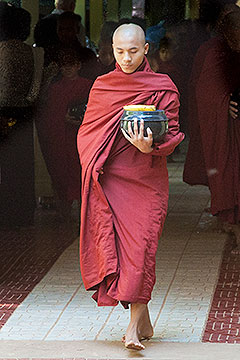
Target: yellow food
{"points": [[140, 107]]}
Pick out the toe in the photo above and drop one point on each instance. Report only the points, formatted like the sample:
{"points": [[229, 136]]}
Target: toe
{"points": [[134, 346]]}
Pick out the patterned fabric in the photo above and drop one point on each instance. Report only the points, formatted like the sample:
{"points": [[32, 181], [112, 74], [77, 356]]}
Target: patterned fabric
{"points": [[16, 69]]}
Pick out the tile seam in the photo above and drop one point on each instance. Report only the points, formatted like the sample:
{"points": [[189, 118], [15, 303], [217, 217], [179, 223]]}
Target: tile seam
{"points": [[175, 273], [61, 313], [13, 264], [177, 200], [104, 324], [214, 290]]}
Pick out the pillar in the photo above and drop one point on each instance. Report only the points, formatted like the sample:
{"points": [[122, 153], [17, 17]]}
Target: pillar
{"points": [[80, 9], [96, 19], [194, 9], [126, 9], [112, 10], [187, 9], [33, 7]]}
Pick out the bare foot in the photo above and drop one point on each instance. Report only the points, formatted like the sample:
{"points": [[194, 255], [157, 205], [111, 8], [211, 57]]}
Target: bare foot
{"points": [[132, 339], [133, 333], [133, 345], [221, 226], [146, 329], [235, 229], [228, 228]]}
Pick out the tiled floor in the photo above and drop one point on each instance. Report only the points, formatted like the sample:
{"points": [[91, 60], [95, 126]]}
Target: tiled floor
{"points": [[26, 257], [223, 325], [58, 319]]}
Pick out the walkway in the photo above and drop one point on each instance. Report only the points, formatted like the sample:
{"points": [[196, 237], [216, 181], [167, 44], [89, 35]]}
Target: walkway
{"points": [[46, 313]]}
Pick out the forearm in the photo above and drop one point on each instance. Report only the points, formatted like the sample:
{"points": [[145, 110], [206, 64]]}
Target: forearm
{"points": [[173, 137], [168, 147]]}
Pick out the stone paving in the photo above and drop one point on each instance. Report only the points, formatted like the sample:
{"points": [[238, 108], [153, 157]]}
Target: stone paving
{"points": [[26, 256], [195, 299], [58, 319], [223, 325]]}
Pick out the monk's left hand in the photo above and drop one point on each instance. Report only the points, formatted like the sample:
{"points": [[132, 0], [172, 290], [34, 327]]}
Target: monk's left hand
{"points": [[233, 111], [137, 138]]}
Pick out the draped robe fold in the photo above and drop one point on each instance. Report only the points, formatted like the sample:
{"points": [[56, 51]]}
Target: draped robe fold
{"points": [[194, 168], [124, 192], [57, 138]]}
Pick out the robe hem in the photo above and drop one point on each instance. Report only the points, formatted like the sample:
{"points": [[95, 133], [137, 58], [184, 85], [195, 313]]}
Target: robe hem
{"points": [[94, 285], [124, 303]]}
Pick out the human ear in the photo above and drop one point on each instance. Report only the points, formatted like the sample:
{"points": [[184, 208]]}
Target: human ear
{"points": [[146, 48], [72, 6]]}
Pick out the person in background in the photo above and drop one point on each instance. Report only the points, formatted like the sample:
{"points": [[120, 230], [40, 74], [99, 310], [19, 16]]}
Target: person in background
{"points": [[58, 120], [213, 153], [17, 196], [163, 60], [67, 30], [106, 61], [45, 31]]}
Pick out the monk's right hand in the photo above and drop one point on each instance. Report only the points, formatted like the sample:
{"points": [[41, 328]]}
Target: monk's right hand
{"points": [[233, 111], [69, 119], [137, 138]]}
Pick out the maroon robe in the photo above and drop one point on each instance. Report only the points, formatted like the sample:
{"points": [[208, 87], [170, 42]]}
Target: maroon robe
{"points": [[175, 72], [58, 138], [194, 169], [216, 143], [123, 209], [172, 69]]}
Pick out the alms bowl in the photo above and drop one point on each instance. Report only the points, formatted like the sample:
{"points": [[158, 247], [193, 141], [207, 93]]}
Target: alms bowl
{"points": [[156, 120]]}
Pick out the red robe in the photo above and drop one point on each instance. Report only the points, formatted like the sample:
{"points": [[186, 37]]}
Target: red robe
{"points": [[216, 142], [58, 138], [172, 69], [194, 169], [123, 209], [175, 72]]}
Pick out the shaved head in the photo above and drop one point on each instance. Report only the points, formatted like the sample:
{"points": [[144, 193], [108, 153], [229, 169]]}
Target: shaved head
{"points": [[129, 30], [231, 29], [66, 5], [129, 46]]}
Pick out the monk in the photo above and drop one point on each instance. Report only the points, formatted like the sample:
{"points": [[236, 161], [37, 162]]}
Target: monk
{"points": [[214, 144], [125, 183], [57, 124]]}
